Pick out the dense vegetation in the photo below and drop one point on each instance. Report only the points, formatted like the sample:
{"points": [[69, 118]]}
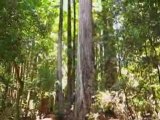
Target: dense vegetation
{"points": [[80, 60]]}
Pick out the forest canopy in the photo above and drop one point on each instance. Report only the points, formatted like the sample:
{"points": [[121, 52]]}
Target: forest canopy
{"points": [[78, 60]]}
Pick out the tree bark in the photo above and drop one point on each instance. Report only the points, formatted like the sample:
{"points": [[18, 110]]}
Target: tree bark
{"points": [[85, 59], [74, 57], [20, 85], [74, 38], [59, 92], [69, 55]]}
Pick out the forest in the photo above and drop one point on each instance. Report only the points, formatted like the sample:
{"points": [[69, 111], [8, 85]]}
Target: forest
{"points": [[79, 60]]}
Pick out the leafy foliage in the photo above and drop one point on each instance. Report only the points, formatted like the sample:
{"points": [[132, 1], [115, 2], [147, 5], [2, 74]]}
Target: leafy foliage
{"points": [[127, 52]]}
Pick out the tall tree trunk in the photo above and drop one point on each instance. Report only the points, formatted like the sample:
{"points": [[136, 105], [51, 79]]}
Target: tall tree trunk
{"points": [[69, 54], [74, 57], [20, 85], [59, 92], [85, 59]]}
